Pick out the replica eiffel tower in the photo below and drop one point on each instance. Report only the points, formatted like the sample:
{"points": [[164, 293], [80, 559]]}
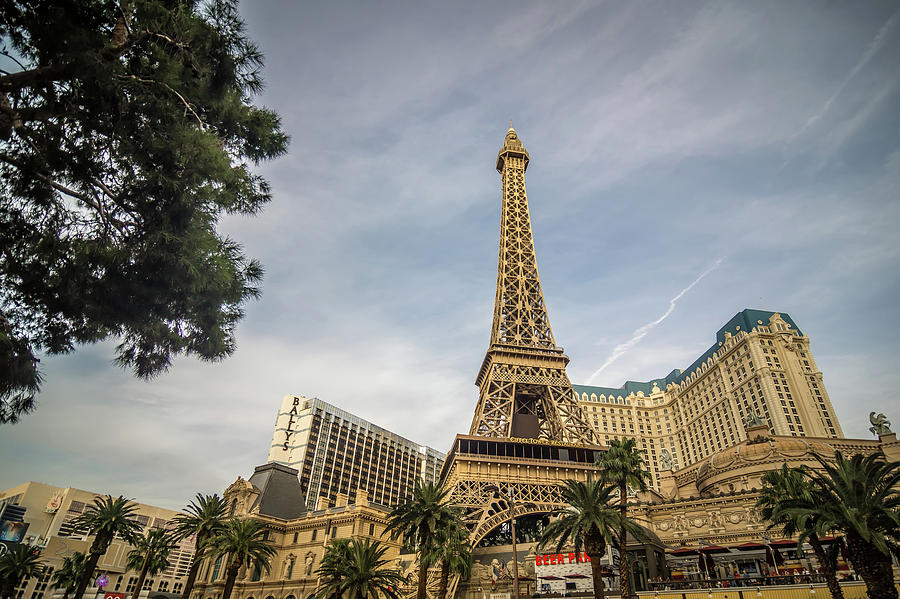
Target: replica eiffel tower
{"points": [[528, 433]]}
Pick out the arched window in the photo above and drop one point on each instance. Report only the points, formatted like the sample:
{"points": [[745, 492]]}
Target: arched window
{"points": [[215, 570], [233, 506]]}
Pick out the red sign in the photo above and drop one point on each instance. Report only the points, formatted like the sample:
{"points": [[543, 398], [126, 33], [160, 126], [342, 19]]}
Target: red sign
{"points": [[114, 595], [553, 559]]}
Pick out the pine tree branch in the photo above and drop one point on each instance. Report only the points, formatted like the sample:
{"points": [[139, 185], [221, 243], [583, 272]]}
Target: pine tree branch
{"points": [[92, 202], [187, 104], [14, 59], [165, 38], [31, 76]]}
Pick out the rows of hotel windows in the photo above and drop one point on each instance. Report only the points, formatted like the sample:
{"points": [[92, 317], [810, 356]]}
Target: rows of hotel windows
{"points": [[179, 558], [357, 458], [704, 421]]}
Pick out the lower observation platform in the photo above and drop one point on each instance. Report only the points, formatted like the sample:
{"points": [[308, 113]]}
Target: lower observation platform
{"points": [[529, 471]]}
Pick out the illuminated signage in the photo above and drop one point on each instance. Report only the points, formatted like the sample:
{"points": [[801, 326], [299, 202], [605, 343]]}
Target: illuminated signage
{"points": [[553, 559]]}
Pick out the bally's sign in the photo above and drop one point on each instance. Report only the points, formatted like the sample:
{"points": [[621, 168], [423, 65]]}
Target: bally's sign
{"points": [[289, 429]]}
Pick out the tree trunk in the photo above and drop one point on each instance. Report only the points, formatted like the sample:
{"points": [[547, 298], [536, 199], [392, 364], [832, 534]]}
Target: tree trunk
{"points": [[597, 573], [445, 576], [194, 569], [98, 548], [624, 582], [873, 566], [231, 573], [141, 577], [423, 576], [833, 584], [66, 593]]}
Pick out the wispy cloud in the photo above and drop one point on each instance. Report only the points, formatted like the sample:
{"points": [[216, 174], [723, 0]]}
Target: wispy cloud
{"points": [[642, 331], [873, 47]]}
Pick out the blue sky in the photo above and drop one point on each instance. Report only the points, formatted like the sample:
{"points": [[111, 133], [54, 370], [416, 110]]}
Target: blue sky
{"points": [[758, 143]]}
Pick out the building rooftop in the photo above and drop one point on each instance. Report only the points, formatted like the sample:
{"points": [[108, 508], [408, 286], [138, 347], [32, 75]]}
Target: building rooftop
{"points": [[745, 320]]}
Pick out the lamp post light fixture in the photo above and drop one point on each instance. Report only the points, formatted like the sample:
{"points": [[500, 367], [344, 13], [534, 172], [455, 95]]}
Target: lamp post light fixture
{"points": [[497, 491]]}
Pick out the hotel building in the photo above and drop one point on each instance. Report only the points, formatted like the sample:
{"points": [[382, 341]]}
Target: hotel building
{"points": [[48, 511], [760, 365], [336, 452]]}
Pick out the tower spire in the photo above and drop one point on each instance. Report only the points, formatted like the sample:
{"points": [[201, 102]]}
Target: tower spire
{"points": [[524, 388]]}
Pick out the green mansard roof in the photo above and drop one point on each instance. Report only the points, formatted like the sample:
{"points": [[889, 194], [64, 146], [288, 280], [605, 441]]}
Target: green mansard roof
{"points": [[745, 320]]}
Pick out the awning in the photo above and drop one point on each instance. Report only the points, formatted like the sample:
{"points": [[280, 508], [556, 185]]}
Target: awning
{"points": [[750, 547], [715, 549], [783, 543], [550, 577], [683, 552], [575, 576]]}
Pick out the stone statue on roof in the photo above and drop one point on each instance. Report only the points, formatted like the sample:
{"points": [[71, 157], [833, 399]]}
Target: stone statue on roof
{"points": [[665, 460], [752, 420], [880, 424]]}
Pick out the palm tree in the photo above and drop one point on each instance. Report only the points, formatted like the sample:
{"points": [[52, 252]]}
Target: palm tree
{"points": [[362, 573], [418, 520], [453, 551], [240, 543], [105, 518], [788, 500], [150, 555], [589, 521], [334, 566], [70, 572], [21, 561], [203, 518], [623, 465], [860, 497]]}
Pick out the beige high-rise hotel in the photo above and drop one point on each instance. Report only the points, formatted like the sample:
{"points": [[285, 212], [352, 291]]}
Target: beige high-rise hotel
{"points": [[760, 365]]}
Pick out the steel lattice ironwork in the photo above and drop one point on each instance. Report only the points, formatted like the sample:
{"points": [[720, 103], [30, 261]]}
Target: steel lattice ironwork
{"points": [[525, 401], [524, 388]]}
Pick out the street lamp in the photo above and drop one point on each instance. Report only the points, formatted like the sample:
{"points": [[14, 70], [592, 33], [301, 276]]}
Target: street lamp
{"points": [[495, 490]]}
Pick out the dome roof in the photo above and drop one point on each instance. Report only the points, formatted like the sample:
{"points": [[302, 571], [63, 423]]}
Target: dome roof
{"points": [[779, 449]]}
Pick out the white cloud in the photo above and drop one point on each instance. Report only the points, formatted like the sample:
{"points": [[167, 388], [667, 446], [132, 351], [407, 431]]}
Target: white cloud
{"points": [[645, 329]]}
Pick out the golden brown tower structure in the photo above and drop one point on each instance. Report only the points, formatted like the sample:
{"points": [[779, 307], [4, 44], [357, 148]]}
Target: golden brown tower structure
{"points": [[528, 433], [524, 389]]}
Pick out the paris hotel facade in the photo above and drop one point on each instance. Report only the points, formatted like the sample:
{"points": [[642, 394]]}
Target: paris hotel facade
{"points": [[760, 364]]}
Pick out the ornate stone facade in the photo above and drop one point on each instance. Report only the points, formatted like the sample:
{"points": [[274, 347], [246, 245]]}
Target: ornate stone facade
{"points": [[300, 541], [715, 499]]}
